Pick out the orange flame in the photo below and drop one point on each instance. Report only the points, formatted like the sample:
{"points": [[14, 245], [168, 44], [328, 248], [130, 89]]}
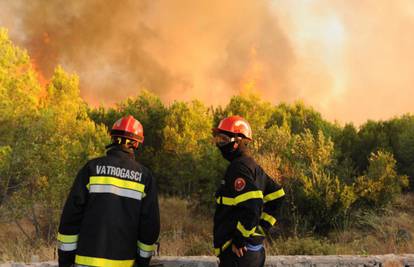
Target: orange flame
{"points": [[39, 75], [46, 38], [253, 74], [41, 79]]}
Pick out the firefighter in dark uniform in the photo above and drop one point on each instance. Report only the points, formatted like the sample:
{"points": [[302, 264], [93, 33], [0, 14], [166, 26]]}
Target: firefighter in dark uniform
{"points": [[248, 200], [111, 216]]}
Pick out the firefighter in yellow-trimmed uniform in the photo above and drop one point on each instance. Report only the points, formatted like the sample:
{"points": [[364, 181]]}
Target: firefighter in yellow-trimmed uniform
{"points": [[111, 216], [248, 200]]}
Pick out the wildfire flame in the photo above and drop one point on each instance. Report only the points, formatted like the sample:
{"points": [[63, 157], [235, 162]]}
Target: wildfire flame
{"points": [[39, 75], [253, 75]]}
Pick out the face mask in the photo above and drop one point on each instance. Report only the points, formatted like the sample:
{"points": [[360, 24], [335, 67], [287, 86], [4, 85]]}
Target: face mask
{"points": [[228, 152]]}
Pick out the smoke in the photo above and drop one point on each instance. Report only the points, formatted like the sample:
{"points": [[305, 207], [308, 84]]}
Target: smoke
{"points": [[351, 60], [177, 49], [379, 59], [362, 51]]}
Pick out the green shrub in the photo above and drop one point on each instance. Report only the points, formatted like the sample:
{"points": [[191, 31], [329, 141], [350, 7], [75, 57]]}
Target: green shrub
{"points": [[381, 184]]}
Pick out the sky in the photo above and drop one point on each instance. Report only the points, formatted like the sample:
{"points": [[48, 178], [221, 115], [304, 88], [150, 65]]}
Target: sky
{"points": [[351, 60]]}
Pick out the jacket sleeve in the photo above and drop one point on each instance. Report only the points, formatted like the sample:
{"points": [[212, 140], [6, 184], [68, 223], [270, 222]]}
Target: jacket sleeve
{"points": [[149, 228], [248, 200], [71, 219], [272, 202]]}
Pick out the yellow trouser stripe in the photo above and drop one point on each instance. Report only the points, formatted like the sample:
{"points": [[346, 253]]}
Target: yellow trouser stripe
{"points": [[92, 261], [106, 180], [218, 250], [275, 195], [268, 218], [239, 199], [67, 238], [245, 233], [146, 247]]}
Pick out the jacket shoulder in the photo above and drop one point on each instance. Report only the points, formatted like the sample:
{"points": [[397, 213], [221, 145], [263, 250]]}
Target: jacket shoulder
{"points": [[93, 162], [241, 167], [244, 162], [146, 172], [144, 169]]}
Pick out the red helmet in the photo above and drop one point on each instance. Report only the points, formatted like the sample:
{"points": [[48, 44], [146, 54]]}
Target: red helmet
{"points": [[128, 127], [235, 125]]}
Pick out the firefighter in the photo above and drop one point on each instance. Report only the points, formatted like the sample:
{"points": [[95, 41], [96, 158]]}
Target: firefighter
{"points": [[248, 200], [111, 216]]}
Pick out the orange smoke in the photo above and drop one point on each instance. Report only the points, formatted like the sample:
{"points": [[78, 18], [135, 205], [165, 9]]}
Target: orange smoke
{"points": [[350, 60]]}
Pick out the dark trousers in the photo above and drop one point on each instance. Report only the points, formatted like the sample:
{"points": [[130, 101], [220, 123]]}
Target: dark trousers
{"points": [[249, 259]]}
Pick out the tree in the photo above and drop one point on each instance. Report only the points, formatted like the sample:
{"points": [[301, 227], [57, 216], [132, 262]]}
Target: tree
{"points": [[373, 136], [316, 198], [252, 108], [346, 144], [187, 163], [402, 141], [321, 197], [19, 99], [49, 151], [298, 117], [381, 184]]}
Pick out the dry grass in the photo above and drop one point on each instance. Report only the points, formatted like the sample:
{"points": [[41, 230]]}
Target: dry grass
{"points": [[14, 246], [392, 232], [369, 234], [183, 231]]}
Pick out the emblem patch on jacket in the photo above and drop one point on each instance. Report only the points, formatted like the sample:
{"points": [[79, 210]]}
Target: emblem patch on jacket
{"points": [[239, 184]]}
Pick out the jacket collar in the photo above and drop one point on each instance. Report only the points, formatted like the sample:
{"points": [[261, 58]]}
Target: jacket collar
{"points": [[119, 152]]}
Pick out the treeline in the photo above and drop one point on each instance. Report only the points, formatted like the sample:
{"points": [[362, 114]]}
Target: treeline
{"points": [[330, 172]]}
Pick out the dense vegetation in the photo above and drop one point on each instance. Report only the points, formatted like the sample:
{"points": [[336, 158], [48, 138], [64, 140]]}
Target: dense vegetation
{"points": [[331, 173]]}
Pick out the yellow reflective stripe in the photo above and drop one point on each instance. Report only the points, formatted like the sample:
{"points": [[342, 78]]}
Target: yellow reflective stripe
{"points": [[218, 250], [67, 238], [146, 247], [239, 199], [268, 218], [245, 233], [248, 195], [259, 231], [226, 201], [92, 261], [226, 245], [258, 234], [106, 180], [275, 195]]}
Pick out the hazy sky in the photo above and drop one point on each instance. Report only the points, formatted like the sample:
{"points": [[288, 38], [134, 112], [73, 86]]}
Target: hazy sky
{"points": [[351, 60]]}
